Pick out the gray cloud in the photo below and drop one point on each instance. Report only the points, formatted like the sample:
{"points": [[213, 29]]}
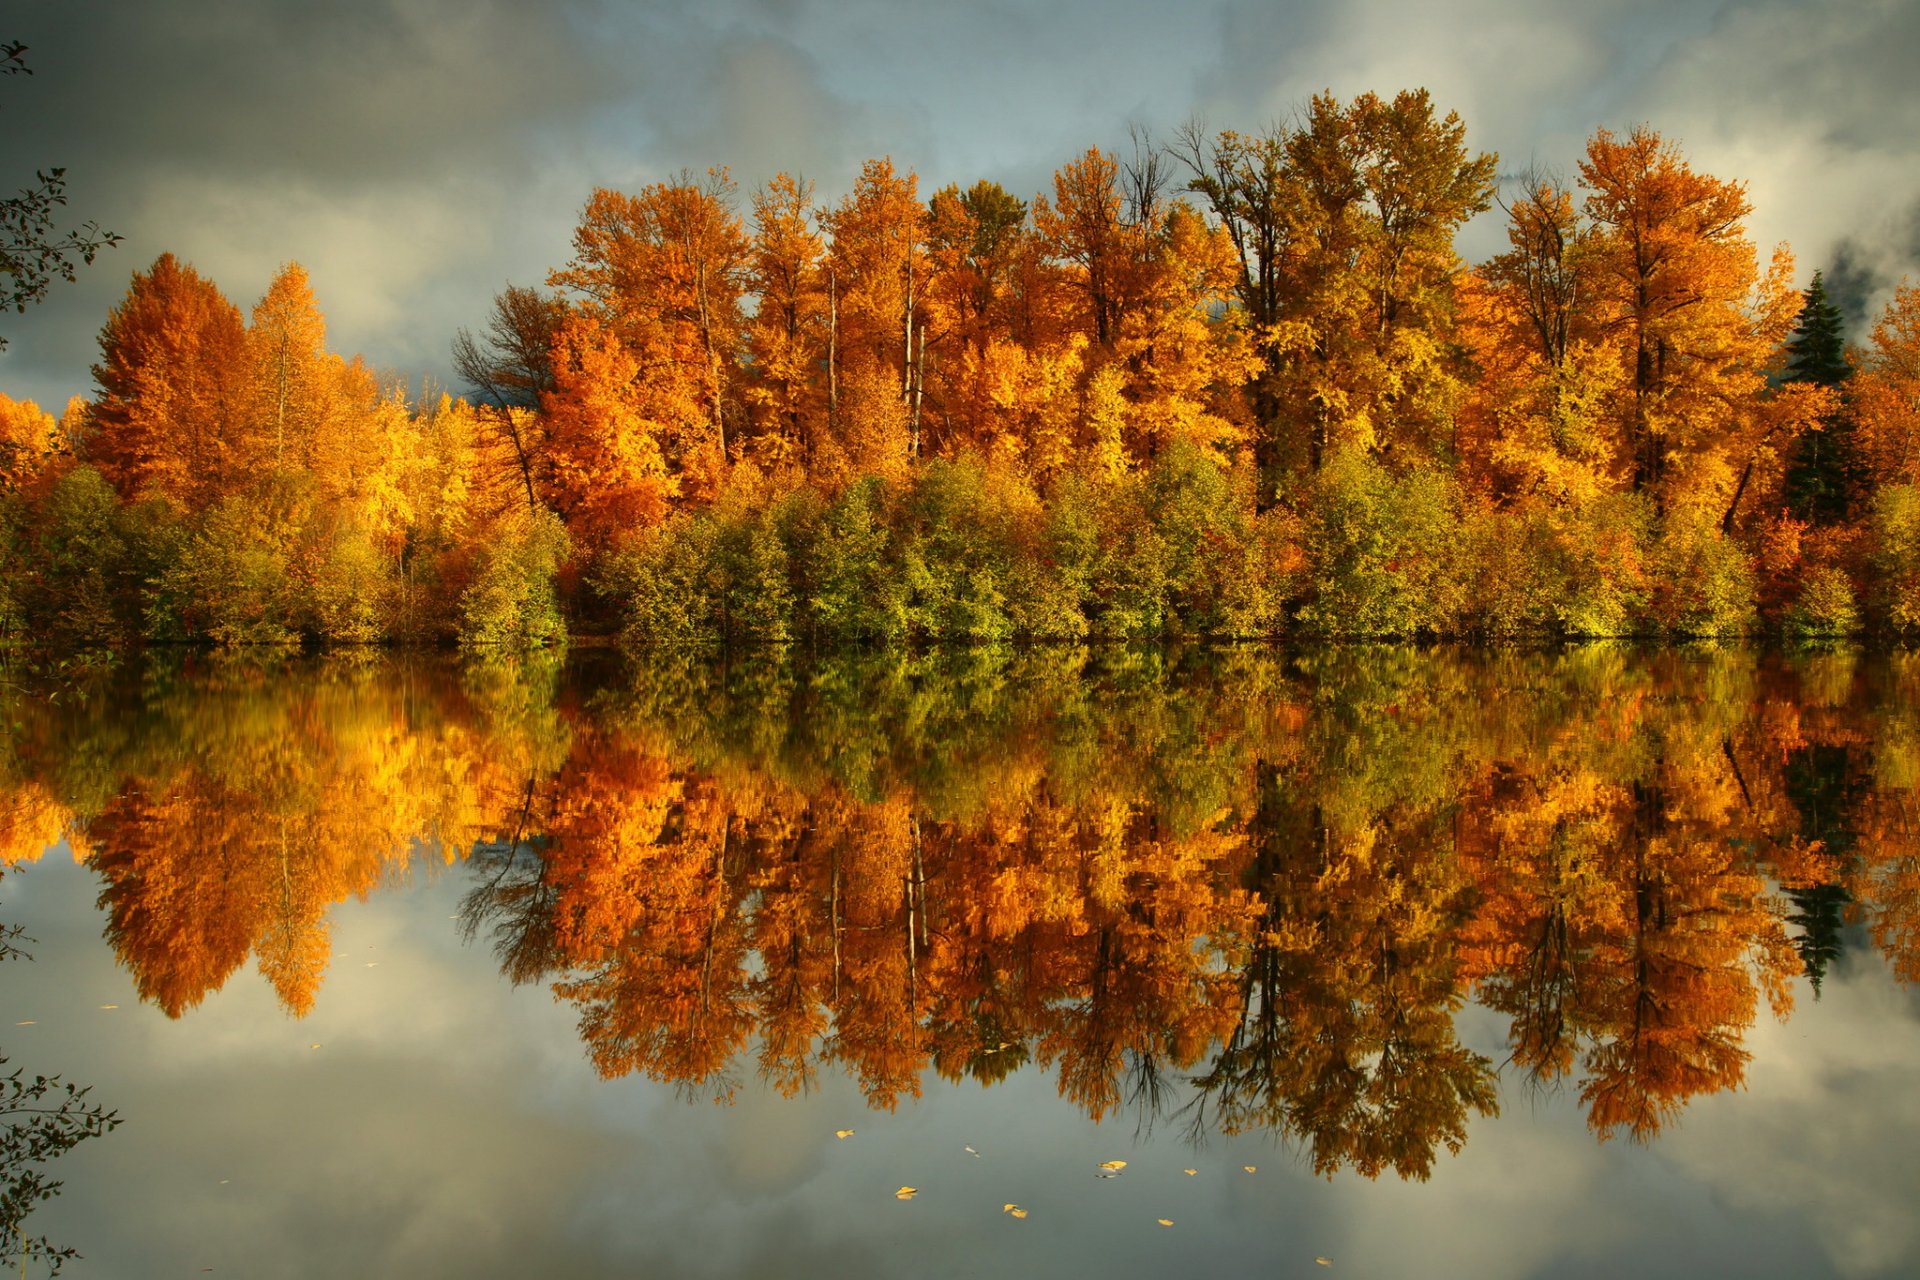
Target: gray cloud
{"points": [[416, 155]]}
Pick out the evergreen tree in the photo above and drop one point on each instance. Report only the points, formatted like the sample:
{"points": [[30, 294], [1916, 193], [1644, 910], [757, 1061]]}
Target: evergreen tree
{"points": [[1823, 466]]}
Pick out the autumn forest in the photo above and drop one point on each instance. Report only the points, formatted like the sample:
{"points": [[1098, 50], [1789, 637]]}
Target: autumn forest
{"points": [[1233, 892], [1213, 386]]}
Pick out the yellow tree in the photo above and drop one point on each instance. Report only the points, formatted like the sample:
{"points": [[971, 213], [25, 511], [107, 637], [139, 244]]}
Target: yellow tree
{"points": [[30, 438], [787, 338], [876, 279], [1886, 392], [1689, 319]]}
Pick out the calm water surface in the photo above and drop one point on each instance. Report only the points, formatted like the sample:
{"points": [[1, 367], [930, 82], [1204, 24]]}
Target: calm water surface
{"points": [[1379, 962]]}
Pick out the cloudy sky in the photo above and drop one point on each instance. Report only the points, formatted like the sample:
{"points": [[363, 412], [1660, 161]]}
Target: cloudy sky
{"points": [[417, 155]]}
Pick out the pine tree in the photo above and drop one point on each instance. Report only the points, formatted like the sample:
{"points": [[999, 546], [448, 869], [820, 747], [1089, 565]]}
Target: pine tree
{"points": [[1823, 466]]}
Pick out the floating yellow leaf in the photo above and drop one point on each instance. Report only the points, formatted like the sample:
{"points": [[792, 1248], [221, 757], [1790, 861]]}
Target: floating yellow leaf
{"points": [[1018, 1213], [27, 1023], [313, 1046], [1166, 1222], [1190, 1172], [109, 1006], [906, 1193], [843, 1133], [1008, 1207], [1113, 1166], [1250, 1168], [970, 1151], [1325, 1262]]}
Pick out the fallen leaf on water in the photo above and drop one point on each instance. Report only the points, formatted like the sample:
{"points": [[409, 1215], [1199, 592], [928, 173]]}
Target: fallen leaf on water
{"points": [[1190, 1172], [27, 1023], [313, 1046], [906, 1193], [843, 1133], [1113, 1166], [1166, 1222], [109, 1006], [1250, 1168], [1325, 1262], [970, 1151], [1018, 1213]]}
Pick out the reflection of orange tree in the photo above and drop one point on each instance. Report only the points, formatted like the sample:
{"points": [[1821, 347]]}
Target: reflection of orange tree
{"points": [[1627, 925], [646, 916], [276, 800], [1345, 1037]]}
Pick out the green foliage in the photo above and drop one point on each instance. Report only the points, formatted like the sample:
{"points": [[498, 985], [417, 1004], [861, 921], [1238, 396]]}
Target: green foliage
{"points": [[1893, 526], [1126, 574], [41, 1119], [1825, 608], [77, 563], [348, 599], [1219, 559], [233, 582], [848, 592], [717, 578], [1702, 583], [1382, 550], [511, 600], [955, 557]]}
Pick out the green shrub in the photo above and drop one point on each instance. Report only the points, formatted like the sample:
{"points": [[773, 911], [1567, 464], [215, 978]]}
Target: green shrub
{"points": [[1382, 550], [1824, 608], [1893, 525], [511, 600], [1702, 581]]}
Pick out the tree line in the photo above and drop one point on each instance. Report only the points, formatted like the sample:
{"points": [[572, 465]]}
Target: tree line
{"points": [[1230, 386]]}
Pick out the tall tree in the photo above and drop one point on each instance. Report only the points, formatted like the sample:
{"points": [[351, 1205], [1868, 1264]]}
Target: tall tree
{"points": [[1822, 464], [172, 376], [663, 271], [1691, 320], [787, 338], [509, 368]]}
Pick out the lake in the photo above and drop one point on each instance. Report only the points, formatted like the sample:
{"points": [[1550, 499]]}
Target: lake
{"points": [[1368, 961]]}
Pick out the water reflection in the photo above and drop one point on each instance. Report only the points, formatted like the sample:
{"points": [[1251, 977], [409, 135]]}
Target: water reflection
{"points": [[1230, 891]]}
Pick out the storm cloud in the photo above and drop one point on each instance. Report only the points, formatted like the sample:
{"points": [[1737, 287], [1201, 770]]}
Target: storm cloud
{"points": [[415, 155]]}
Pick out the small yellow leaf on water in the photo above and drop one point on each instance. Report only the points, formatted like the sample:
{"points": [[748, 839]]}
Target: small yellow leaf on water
{"points": [[906, 1193], [1250, 1168], [109, 1006], [970, 1151], [1325, 1262], [1008, 1207], [1190, 1172], [843, 1133], [1018, 1213], [27, 1023], [1113, 1166], [313, 1046], [1166, 1222]]}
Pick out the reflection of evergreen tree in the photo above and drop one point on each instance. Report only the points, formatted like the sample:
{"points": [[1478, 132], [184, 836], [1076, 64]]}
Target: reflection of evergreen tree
{"points": [[1826, 789]]}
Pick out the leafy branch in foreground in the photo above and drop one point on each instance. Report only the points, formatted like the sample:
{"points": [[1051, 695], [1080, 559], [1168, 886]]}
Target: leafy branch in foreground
{"points": [[41, 1118], [45, 1118], [32, 253]]}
